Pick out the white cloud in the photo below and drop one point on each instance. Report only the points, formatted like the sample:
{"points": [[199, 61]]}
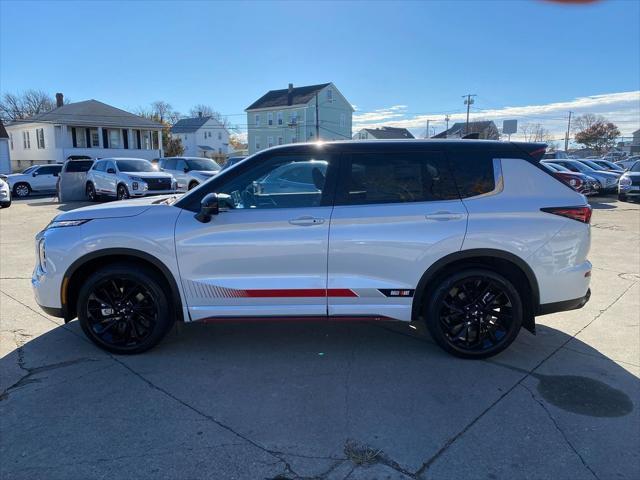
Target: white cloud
{"points": [[621, 108]]}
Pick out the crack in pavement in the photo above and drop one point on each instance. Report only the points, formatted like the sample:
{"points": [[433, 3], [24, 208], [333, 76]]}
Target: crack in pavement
{"points": [[560, 431], [425, 466]]}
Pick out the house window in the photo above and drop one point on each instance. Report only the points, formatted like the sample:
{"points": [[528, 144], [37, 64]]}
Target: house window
{"points": [[95, 138], [26, 140], [294, 117], [330, 96], [219, 135], [269, 141], [11, 140], [257, 143], [294, 139], [280, 141], [81, 137], [185, 137], [343, 120], [270, 118], [114, 138], [279, 118], [257, 120], [40, 137], [155, 137], [146, 140]]}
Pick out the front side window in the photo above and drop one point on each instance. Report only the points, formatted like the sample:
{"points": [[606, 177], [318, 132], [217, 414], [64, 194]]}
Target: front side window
{"points": [[291, 181], [180, 165], [168, 164], [397, 177]]}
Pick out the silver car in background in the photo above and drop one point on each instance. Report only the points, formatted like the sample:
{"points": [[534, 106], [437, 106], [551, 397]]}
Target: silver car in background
{"points": [[189, 172], [5, 193], [127, 178], [608, 180]]}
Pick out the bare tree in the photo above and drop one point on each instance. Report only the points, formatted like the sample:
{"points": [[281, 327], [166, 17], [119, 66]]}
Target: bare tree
{"points": [[208, 111], [586, 121], [161, 110], [535, 132], [26, 104]]}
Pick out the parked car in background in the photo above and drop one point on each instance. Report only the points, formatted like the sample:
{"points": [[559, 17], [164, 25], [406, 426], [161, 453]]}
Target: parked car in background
{"points": [[232, 161], [125, 178], [578, 181], [72, 179], [189, 172], [608, 180], [554, 155], [608, 165], [614, 156], [297, 177], [5, 193], [629, 183], [35, 179], [628, 162], [443, 234]]}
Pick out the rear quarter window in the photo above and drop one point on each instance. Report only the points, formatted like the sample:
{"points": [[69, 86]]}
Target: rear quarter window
{"points": [[473, 173]]}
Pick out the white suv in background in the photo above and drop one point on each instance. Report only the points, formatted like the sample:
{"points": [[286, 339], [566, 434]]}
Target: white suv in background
{"points": [[35, 179], [472, 238], [126, 178], [189, 172]]}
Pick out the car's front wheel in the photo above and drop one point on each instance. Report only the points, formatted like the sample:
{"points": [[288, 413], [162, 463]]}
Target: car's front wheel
{"points": [[475, 313], [22, 190], [123, 192], [124, 309]]}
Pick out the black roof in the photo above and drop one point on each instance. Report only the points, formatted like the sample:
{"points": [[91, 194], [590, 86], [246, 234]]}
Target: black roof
{"points": [[459, 127], [389, 132], [187, 125], [280, 98], [3, 131]]}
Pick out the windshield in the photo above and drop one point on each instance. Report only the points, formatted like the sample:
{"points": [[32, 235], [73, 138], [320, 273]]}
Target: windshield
{"points": [[593, 165], [576, 166], [560, 168], [134, 166], [203, 164], [635, 167]]}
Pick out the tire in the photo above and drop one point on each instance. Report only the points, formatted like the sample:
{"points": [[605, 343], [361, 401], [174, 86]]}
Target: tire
{"points": [[467, 323], [622, 197], [22, 190], [122, 192], [124, 309], [90, 192], [193, 185], [5, 204]]}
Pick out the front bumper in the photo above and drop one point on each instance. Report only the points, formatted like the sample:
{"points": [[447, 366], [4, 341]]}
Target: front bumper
{"points": [[629, 190], [147, 193]]}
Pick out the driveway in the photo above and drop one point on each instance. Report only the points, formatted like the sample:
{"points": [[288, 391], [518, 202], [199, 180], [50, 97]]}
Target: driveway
{"points": [[324, 400]]}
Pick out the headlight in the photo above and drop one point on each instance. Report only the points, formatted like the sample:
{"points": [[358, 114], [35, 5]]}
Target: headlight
{"points": [[42, 255], [625, 181], [135, 179], [66, 223]]}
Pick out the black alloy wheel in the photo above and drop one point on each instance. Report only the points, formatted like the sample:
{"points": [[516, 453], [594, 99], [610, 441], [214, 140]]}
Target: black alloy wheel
{"points": [[123, 192], [124, 309], [91, 193], [476, 313]]}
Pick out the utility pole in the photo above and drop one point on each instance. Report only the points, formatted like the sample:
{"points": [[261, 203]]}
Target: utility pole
{"points": [[446, 119], [566, 138], [426, 135], [317, 120], [468, 102]]}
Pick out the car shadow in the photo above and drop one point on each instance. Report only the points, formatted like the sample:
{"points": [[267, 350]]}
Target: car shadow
{"points": [[307, 387], [604, 202]]}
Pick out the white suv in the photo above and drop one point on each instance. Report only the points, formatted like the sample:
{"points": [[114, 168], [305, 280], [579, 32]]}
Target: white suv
{"points": [[472, 238]]}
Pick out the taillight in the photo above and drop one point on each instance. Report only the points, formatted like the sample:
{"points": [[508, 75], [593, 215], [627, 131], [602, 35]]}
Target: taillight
{"points": [[581, 214]]}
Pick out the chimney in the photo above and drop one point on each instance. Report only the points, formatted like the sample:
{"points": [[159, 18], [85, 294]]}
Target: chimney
{"points": [[290, 94], [59, 99], [200, 114]]}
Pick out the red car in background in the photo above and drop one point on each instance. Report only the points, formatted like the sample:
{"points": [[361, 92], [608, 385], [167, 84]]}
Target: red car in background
{"points": [[580, 182]]}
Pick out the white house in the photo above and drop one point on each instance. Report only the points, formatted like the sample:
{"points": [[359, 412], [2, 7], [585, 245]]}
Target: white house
{"points": [[89, 128], [289, 116], [5, 159], [384, 133], [202, 136]]}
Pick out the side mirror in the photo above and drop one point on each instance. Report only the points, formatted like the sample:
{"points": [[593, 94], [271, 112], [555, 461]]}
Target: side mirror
{"points": [[111, 170], [34, 174], [209, 206], [186, 169]]}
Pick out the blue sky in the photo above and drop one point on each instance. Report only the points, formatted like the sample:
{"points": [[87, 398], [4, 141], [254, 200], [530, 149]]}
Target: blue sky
{"points": [[415, 58]]}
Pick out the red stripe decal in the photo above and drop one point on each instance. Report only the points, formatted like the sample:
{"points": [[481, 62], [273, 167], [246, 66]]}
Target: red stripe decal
{"points": [[301, 292]]}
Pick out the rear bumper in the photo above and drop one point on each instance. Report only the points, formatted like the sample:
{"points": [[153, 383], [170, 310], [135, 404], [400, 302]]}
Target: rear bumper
{"points": [[565, 305]]}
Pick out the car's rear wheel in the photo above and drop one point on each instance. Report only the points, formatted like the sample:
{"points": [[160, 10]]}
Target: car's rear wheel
{"points": [[123, 192], [124, 309], [22, 189], [193, 185], [91, 194], [475, 313], [622, 197]]}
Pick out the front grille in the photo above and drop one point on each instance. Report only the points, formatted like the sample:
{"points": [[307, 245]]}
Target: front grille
{"points": [[635, 180], [158, 183]]}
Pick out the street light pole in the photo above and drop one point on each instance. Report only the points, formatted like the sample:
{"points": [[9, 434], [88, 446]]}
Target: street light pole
{"points": [[566, 138], [468, 102]]}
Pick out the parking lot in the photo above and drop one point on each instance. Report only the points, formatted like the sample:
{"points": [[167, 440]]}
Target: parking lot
{"points": [[324, 400]]}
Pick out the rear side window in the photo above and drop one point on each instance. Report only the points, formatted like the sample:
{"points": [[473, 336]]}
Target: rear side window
{"points": [[395, 177], [473, 173], [79, 166]]}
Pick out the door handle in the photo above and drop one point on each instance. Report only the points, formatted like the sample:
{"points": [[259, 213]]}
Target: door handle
{"points": [[306, 221], [443, 216]]}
